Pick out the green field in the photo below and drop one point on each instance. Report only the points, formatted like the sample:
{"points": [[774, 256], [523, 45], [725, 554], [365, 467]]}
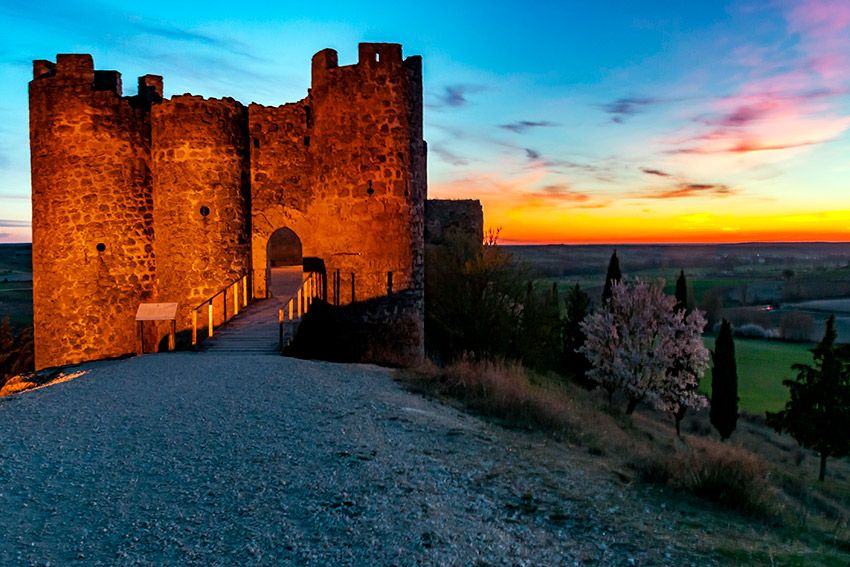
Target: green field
{"points": [[762, 366], [16, 284]]}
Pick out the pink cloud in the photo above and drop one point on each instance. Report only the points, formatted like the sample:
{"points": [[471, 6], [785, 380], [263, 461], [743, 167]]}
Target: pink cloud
{"points": [[791, 97], [823, 30]]}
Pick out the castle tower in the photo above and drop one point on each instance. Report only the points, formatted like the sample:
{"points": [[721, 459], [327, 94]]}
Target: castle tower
{"points": [[93, 259], [201, 199], [355, 159]]}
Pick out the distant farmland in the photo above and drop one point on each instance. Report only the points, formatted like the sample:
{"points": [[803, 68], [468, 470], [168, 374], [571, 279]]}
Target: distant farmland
{"points": [[16, 283], [762, 366]]}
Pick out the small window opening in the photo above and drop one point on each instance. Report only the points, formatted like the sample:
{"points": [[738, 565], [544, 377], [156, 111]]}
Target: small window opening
{"points": [[256, 142], [100, 246], [205, 211], [378, 57], [389, 283], [370, 191], [308, 115], [307, 141]]}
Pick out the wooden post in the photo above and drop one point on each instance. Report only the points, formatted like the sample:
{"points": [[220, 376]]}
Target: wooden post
{"points": [[280, 328], [353, 296], [236, 298], [291, 308], [172, 336], [210, 323], [300, 306], [141, 327], [194, 327], [245, 291], [337, 288], [389, 283], [308, 299], [224, 305]]}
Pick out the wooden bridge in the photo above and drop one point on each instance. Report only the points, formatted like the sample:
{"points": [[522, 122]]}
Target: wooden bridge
{"points": [[258, 328]]}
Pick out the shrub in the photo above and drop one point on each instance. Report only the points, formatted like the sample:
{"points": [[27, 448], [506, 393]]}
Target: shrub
{"points": [[478, 303], [17, 352], [504, 390], [753, 331], [727, 475]]}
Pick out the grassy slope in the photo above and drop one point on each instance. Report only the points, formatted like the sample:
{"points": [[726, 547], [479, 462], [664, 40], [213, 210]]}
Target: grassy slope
{"points": [[762, 366], [788, 518]]}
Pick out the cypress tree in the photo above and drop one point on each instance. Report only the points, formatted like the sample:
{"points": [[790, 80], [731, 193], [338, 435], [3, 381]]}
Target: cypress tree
{"points": [[724, 383], [575, 363], [681, 292], [612, 276], [818, 413]]}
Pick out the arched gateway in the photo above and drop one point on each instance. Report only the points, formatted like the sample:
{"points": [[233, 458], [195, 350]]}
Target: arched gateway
{"points": [[284, 264]]}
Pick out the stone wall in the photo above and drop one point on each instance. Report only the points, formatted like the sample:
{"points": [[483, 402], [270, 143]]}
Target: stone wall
{"points": [[464, 217], [93, 256], [383, 330], [281, 179]]}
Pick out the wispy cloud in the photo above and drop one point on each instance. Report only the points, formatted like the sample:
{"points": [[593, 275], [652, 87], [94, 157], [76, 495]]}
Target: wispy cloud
{"points": [[738, 145], [13, 223], [95, 21], [455, 96], [656, 172], [624, 108], [682, 190], [561, 192], [448, 155], [532, 154], [522, 126]]}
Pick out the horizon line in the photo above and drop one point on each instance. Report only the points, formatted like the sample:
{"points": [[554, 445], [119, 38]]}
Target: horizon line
{"points": [[687, 243]]}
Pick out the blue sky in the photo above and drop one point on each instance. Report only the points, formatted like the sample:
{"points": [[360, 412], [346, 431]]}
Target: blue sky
{"points": [[572, 121]]}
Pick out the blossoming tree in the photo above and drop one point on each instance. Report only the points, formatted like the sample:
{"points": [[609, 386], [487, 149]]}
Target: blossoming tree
{"points": [[640, 344]]}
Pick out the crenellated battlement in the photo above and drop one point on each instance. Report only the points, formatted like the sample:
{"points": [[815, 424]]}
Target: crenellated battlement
{"points": [[150, 88], [379, 53], [75, 66], [77, 70], [372, 58]]}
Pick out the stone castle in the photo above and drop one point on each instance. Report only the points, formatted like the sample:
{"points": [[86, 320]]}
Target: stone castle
{"points": [[147, 199]]}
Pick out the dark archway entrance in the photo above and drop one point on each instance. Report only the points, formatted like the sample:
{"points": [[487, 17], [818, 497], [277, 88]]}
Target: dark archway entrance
{"points": [[284, 264]]}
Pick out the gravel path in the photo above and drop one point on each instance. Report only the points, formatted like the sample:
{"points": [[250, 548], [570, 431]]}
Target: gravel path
{"points": [[206, 459]]}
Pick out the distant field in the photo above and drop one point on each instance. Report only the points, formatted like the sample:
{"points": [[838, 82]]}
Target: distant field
{"points": [[762, 366], [827, 305], [16, 283]]}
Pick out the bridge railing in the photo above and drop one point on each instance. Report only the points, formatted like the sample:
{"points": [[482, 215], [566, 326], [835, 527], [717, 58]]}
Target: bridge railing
{"points": [[297, 305], [239, 294]]}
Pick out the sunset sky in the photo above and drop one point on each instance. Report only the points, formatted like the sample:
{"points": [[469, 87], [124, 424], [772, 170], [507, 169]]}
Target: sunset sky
{"points": [[609, 121]]}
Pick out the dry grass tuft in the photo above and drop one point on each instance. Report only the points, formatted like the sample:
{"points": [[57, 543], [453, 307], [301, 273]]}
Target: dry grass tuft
{"points": [[504, 390], [16, 384], [509, 393], [726, 474], [36, 381]]}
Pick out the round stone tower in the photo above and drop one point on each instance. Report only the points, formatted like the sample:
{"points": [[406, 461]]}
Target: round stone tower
{"points": [[201, 197], [93, 257]]}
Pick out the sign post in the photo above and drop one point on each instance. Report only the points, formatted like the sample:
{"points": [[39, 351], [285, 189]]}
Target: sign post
{"points": [[156, 312]]}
